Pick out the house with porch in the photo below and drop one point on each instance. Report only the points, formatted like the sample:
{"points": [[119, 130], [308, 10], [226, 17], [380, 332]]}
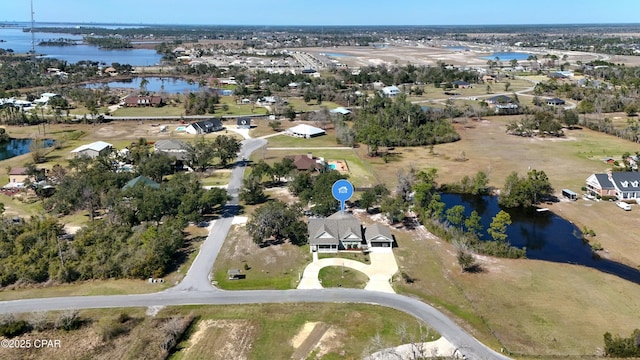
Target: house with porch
{"points": [[623, 185], [342, 231]]}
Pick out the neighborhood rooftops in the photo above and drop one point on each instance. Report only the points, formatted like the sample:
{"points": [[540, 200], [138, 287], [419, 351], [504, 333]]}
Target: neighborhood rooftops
{"points": [[169, 145]]}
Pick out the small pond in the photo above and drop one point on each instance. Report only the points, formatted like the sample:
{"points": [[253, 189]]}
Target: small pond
{"points": [[545, 235], [17, 147]]}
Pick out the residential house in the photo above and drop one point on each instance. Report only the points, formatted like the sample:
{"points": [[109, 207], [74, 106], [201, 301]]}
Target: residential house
{"points": [[143, 101], [460, 84], [204, 127], [623, 185], [555, 102], [171, 147], [342, 231], [142, 181], [390, 91], [18, 175], [93, 150], [111, 71], [44, 98], [308, 162], [305, 131], [503, 105], [244, 123], [489, 78]]}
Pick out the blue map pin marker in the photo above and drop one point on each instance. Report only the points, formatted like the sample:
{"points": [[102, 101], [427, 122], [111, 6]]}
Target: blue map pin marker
{"points": [[342, 191]]}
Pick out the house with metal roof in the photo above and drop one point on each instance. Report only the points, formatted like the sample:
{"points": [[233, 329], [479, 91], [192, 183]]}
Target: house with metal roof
{"points": [[342, 231], [305, 131], [623, 185], [93, 150]]}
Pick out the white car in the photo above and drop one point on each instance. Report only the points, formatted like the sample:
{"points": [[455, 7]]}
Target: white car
{"points": [[624, 206]]}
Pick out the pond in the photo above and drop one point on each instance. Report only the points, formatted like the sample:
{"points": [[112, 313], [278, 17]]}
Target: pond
{"points": [[17, 147], [545, 235], [155, 84], [508, 56]]}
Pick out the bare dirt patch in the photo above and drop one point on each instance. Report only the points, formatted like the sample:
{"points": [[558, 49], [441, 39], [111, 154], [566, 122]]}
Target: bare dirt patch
{"points": [[221, 339], [314, 337]]}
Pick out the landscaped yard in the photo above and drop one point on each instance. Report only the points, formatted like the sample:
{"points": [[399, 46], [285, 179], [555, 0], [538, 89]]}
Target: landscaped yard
{"points": [[336, 276]]}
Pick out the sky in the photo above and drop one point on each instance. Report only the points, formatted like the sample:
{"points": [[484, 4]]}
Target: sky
{"points": [[324, 12]]}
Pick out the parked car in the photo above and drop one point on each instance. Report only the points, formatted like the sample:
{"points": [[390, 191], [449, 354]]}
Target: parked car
{"points": [[623, 205]]}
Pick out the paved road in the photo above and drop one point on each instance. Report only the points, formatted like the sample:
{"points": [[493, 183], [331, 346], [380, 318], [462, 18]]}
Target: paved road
{"points": [[435, 319], [198, 276], [195, 289]]}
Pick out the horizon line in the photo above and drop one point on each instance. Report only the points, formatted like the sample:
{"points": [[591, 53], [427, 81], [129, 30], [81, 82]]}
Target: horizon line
{"points": [[312, 25]]}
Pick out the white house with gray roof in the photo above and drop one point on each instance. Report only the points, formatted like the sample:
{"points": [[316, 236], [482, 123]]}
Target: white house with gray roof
{"points": [[344, 232], [624, 185]]}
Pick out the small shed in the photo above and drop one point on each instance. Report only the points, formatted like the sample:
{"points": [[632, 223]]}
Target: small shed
{"points": [[235, 274], [569, 194]]}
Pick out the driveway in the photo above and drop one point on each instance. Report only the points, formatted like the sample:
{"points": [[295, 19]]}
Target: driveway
{"points": [[380, 271]]}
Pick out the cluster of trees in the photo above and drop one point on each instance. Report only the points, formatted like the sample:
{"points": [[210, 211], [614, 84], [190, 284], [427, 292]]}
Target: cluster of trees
{"points": [[253, 188], [34, 252], [409, 74], [96, 184], [201, 153], [397, 122], [541, 123], [201, 103], [526, 191], [452, 224], [278, 221], [616, 346], [108, 42], [316, 190]]}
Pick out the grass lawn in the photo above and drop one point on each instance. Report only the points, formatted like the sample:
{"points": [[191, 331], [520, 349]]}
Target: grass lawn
{"points": [[238, 109], [268, 267], [284, 140], [336, 276], [357, 256], [299, 105], [218, 178], [167, 110]]}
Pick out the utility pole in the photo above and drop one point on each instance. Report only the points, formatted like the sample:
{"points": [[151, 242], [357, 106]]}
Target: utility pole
{"points": [[33, 40]]}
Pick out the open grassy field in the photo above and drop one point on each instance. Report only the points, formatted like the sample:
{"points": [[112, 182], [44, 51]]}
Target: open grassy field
{"points": [[477, 90], [284, 140], [230, 332], [167, 110], [531, 308]]}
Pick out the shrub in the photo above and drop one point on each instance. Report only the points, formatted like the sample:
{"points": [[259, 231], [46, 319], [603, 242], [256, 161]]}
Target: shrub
{"points": [[68, 320], [11, 327]]}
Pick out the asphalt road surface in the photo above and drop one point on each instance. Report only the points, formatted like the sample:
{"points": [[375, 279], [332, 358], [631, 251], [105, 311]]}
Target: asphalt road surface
{"points": [[196, 289]]}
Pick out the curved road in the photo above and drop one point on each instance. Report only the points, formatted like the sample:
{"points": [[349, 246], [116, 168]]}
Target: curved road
{"points": [[196, 289]]}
